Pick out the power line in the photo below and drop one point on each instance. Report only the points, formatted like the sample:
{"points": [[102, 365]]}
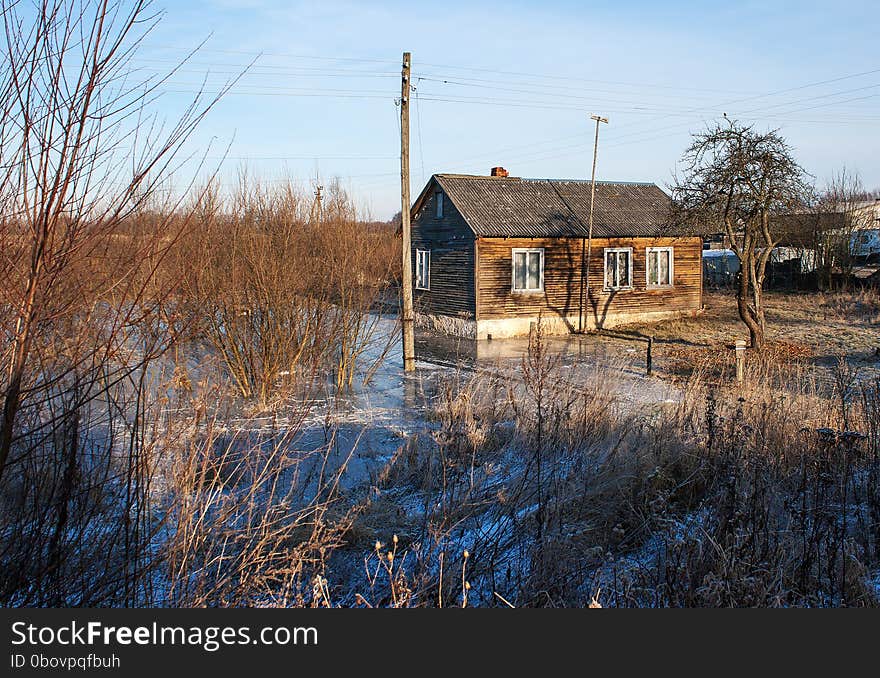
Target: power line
{"points": [[722, 105], [818, 96], [567, 78], [474, 81], [652, 138], [537, 99], [279, 54], [419, 132], [833, 103], [340, 94], [552, 90], [249, 69], [313, 156], [538, 105]]}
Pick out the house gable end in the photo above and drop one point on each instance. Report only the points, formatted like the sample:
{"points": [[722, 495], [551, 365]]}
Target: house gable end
{"points": [[434, 184]]}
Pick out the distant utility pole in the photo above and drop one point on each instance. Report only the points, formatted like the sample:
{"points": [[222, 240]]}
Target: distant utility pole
{"points": [[407, 315], [318, 204], [585, 267], [317, 211]]}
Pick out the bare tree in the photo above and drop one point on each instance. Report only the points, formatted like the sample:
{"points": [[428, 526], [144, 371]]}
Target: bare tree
{"points": [[738, 181], [843, 208], [88, 219], [80, 156]]}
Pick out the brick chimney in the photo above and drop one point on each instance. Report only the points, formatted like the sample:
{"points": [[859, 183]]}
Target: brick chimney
{"points": [[498, 172]]}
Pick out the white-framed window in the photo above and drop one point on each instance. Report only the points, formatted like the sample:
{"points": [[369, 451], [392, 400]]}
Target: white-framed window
{"points": [[423, 269], [439, 197], [659, 264], [527, 269], [618, 268]]}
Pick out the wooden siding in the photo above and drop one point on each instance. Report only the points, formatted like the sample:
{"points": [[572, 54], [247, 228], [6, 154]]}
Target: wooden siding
{"points": [[451, 243], [562, 279]]}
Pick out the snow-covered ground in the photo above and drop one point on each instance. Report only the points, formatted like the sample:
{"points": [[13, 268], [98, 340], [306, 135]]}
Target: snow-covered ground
{"points": [[376, 417]]}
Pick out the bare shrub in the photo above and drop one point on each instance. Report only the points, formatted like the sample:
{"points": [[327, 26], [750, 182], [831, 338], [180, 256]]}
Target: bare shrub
{"points": [[286, 293], [84, 316]]}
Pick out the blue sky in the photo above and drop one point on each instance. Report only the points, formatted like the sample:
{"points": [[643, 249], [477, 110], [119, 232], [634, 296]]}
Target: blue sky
{"points": [[514, 84]]}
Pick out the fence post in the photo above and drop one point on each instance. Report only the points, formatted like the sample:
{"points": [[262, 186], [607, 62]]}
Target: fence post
{"points": [[740, 360], [648, 357]]}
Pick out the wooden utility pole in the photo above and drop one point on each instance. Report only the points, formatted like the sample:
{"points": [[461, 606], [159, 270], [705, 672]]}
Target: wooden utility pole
{"points": [[407, 316], [585, 264]]}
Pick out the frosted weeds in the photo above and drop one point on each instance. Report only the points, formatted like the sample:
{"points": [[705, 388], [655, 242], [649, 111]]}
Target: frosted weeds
{"points": [[376, 417]]}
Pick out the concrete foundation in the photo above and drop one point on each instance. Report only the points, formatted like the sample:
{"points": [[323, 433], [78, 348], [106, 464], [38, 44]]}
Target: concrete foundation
{"points": [[553, 325], [446, 324]]}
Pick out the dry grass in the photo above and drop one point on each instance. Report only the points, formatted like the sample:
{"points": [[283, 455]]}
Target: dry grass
{"points": [[800, 317], [805, 330], [561, 493], [763, 495]]}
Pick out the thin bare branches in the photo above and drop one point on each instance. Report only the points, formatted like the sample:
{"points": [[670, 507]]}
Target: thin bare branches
{"points": [[738, 181], [75, 166]]}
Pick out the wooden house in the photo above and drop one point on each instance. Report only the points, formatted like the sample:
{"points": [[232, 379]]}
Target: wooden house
{"points": [[492, 253]]}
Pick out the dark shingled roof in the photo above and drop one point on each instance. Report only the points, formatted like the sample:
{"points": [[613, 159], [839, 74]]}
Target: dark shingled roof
{"points": [[534, 208]]}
